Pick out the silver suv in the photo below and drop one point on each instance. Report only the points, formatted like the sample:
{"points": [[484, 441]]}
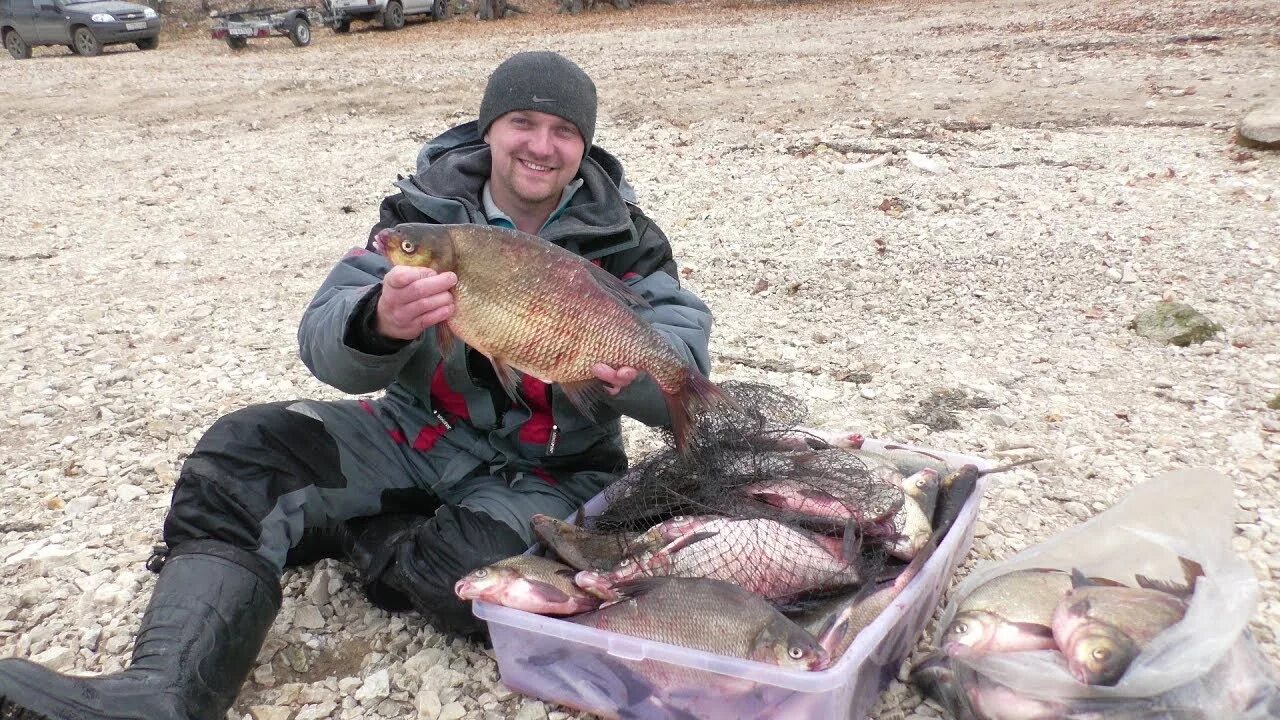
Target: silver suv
{"points": [[390, 13]]}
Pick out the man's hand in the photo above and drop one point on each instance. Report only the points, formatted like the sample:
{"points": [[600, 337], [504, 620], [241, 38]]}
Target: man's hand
{"points": [[615, 380], [413, 299]]}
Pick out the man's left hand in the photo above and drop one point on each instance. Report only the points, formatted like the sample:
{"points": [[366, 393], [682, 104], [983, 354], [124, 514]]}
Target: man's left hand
{"points": [[615, 379]]}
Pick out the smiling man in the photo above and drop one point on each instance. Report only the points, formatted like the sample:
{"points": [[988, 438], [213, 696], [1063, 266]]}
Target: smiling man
{"points": [[432, 479]]}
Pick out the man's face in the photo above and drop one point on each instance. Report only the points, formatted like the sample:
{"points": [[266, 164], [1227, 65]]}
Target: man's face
{"points": [[535, 155]]}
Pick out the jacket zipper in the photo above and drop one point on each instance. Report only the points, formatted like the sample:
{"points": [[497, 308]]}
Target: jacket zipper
{"points": [[443, 422], [551, 441]]}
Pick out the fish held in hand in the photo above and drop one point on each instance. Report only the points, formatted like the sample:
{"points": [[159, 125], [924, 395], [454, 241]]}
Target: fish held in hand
{"points": [[527, 582], [533, 307]]}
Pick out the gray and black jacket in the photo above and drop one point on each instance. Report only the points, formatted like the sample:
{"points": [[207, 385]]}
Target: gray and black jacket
{"points": [[428, 395]]}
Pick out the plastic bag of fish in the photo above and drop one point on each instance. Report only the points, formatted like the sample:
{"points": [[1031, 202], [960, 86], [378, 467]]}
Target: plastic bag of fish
{"points": [[1141, 612]]}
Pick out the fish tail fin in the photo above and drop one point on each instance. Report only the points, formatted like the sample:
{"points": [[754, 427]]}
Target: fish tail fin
{"points": [[696, 393]]}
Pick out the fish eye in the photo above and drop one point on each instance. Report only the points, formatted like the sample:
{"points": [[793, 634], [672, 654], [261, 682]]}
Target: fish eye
{"points": [[482, 572], [1101, 654], [960, 628], [795, 653], [625, 563], [407, 246]]}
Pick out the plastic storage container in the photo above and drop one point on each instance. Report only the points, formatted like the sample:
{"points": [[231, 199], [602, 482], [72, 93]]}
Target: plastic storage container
{"points": [[608, 673]]}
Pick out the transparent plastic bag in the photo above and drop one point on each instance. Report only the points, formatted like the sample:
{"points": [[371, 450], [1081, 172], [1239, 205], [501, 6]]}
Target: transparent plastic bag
{"points": [[1205, 665]]}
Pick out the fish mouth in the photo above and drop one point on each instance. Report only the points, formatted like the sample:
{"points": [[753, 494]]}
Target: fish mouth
{"points": [[382, 239]]}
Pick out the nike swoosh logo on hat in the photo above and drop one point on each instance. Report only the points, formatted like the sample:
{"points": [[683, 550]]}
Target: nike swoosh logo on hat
{"points": [[542, 100]]}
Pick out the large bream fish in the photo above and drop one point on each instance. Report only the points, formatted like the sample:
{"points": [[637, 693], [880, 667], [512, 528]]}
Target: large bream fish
{"points": [[534, 307]]}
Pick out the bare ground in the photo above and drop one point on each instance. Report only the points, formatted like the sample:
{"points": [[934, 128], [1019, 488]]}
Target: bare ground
{"points": [[165, 216]]}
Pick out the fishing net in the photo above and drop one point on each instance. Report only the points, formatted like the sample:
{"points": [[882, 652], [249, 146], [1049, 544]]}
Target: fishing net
{"points": [[754, 501]]}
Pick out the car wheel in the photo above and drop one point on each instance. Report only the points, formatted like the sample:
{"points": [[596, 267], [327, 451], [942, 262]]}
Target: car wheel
{"points": [[438, 9], [342, 26], [393, 16], [16, 46], [150, 43], [237, 43], [300, 32], [86, 42]]}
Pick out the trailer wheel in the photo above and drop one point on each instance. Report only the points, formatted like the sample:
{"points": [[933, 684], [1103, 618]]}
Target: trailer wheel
{"points": [[438, 9], [300, 32], [237, 43], [342, 26], [393, 16]]}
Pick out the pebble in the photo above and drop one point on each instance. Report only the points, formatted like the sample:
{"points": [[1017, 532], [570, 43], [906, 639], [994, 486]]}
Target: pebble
{"points": [[1262, 124], [452, 711], [1077, 509]]}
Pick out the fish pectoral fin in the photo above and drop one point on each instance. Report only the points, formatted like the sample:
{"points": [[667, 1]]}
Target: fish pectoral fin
{"points": [[585, 395], [444, 339], [620, 291], [548, 592], [685, 541], [507, 375], [1033, 629]]}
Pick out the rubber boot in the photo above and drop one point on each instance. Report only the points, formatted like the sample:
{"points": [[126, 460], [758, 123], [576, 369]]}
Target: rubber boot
{"points": [[208, 617]]}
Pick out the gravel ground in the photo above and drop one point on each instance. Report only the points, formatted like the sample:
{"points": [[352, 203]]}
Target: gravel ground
{"points": [[880, 201]]}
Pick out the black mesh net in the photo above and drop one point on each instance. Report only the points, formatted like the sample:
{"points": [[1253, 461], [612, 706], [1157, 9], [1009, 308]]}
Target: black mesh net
{"points": [[754, 501]]}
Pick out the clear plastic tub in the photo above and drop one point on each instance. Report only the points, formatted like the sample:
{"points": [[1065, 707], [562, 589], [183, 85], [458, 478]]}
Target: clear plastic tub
{"points": [[609, 674]]}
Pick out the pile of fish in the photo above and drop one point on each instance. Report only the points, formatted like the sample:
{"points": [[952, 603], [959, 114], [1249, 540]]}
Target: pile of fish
{"points": [[777, 548], [1097, 627]]}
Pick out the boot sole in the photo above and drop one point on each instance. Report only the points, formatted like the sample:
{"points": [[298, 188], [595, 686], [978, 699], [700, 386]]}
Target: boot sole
{"points": [[13, 711]]}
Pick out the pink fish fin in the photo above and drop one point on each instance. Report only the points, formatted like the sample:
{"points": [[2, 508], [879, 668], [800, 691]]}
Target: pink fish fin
{"points": [[444, 339], [586, 395], [548, 592], [1078, 580], [1172, 588], [1034, 629], [913, 450], [836, 634], [769, 498], [696, 394], [619, 290], [685, 541], [1079, 608], [509, 378]]}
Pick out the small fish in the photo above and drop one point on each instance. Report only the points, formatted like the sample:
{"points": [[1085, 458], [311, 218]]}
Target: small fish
{"points": [[771, 559], [956, 487], [912, 524], [527, 582], [838, 632], [1100, 629], [709, 615], [578, 546], [532, 307], [1008, 613]]}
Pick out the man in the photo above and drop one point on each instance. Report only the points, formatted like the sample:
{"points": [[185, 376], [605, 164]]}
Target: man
{"points": [[445, 466]]}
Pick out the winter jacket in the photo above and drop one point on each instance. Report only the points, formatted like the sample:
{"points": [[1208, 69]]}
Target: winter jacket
{"points": [[429, 395]]}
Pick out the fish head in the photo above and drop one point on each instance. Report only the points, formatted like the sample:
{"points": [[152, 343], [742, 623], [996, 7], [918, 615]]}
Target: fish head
{"points": [[970, 632], [785, 644], [922, 483], [934, 677], [418, 245], [485, 582], [1099, 654]]}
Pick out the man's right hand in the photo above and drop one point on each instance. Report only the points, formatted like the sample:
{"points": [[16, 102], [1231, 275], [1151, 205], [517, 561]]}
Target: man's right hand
{"points": [[413, 299]]}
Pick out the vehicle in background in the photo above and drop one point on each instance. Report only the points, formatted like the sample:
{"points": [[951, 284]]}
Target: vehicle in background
{"points": [[84, 26], [390, 13], [237, 26]]}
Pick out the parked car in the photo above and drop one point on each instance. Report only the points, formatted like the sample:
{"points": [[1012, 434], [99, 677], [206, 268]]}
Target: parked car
{"points": [[84, 26], [390, 13]]}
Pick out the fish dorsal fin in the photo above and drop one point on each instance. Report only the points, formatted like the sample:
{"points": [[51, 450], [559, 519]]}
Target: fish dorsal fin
{"points": [[620, 291], [1078, 579]]}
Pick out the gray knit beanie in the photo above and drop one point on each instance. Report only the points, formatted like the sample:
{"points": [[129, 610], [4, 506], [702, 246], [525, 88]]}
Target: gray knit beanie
{"points": [[543, 81]]}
